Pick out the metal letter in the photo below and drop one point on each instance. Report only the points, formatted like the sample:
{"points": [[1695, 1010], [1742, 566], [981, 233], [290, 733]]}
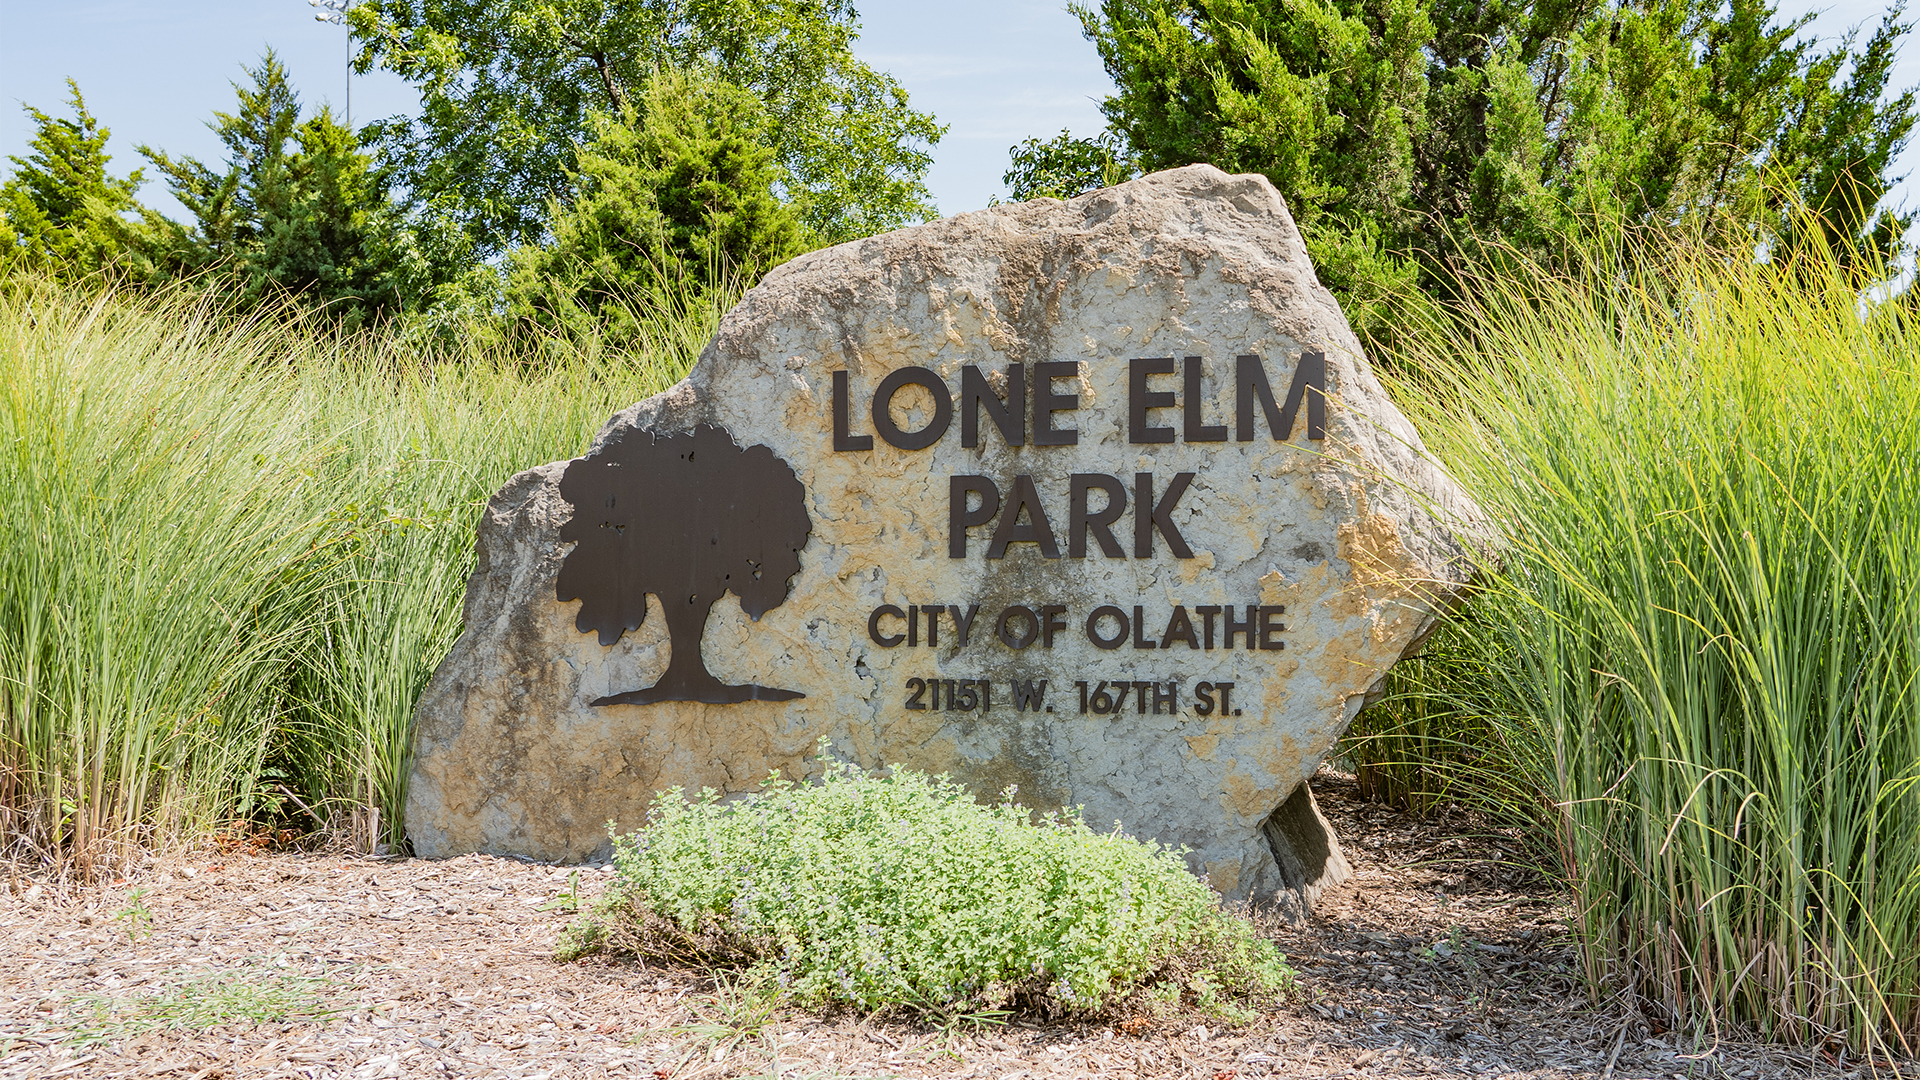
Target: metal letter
{"points": [[1246, 628], [1006, 634], [1010, 416], [963, 624], [883, 408], [1037, 530], [1191, 404], [885, 641], [1139, 642], [1100, 522], [1149, 515], [959, 518], [1250, 382], [1179, 628], [1046, 403], [1269, 626], [1093, 627], [841, 439], [1140, 400], [1050, 623]]}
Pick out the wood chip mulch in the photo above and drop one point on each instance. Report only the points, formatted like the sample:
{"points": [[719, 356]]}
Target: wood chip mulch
{"points": [[1439, 958]]}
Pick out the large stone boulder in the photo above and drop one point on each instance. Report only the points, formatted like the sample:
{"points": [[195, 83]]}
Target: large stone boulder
{"points": [[1133, 527]]}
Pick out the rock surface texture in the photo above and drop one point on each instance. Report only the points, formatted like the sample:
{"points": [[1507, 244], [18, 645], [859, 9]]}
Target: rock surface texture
{"points": [[1198, 487]]}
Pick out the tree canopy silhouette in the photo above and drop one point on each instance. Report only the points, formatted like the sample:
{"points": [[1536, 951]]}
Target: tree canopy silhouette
{"points": [[689, 518]]}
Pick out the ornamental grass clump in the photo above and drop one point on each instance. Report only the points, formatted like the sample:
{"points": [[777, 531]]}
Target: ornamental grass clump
{"points": [[1704, 628], [900, 892], [232, 551]]}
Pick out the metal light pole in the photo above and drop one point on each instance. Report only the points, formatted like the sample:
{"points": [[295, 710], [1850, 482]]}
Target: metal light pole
{"points": [[335, 11]]}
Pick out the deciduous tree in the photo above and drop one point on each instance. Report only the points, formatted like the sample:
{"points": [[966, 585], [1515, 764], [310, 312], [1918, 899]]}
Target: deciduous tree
{"points": [[509, 88], [1063, 166]]}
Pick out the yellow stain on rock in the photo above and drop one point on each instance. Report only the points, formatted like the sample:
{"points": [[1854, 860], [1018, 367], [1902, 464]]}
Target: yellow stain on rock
{"points": [[1224, 875], [1274, 692], [1204, 745], [915, 750], [802, 410], [1390, 621], [1321, 581], [1250, 797], [1084, 387], [1277, 761], [1200, 566], [1370, 543]]}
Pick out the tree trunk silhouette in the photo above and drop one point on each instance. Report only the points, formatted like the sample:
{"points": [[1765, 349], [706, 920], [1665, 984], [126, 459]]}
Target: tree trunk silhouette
{"points": [[687, 677]]}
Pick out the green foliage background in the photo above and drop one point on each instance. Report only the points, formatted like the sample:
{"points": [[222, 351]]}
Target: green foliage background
{"points": [[1406, 134], [674, 198], [572, 163], [508, 90], [297, 209]]}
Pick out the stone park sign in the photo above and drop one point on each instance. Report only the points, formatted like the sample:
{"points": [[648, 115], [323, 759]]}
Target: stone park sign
{"points": [[1097, 498]]}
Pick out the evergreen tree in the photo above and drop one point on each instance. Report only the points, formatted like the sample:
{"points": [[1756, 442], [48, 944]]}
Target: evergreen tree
{"points": [[297, 209], [673, 197], [60, 210], [1398, 130]]}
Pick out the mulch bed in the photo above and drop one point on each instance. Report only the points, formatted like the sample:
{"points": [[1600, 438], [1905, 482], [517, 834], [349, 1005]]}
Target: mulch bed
{"points": [[1440, 958]]}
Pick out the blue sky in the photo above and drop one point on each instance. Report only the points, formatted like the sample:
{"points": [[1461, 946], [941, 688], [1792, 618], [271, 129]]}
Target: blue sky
{"points": [[995, 71]]}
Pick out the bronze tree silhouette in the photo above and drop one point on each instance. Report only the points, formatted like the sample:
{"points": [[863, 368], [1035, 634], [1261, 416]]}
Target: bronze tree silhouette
{"points": [[689, 518]]}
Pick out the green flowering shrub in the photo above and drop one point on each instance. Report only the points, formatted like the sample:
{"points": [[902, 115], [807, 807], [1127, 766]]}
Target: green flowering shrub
{"points": [[902, 892]]}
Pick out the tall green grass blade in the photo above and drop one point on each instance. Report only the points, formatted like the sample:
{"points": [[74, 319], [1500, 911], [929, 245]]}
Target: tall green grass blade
{"points": [[231, 545], [1703, 470]]}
